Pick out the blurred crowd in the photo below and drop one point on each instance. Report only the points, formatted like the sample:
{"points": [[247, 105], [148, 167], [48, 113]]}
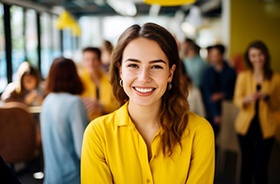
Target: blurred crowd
{"points": [[76, 92]]}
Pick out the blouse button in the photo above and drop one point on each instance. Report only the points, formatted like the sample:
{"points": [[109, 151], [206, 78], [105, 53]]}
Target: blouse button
{"points": [[148, 180]]}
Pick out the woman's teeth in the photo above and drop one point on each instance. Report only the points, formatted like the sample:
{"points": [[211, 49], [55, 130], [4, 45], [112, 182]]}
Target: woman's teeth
{"points": [[144, 90]]}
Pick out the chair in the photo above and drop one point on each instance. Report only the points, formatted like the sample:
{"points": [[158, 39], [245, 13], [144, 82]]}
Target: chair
{"points": [[227, 138], [17, 133]]}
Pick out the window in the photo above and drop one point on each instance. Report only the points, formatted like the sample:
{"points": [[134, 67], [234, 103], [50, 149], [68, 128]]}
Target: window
{"points": [[46, 42], [50, 42], [31, 37], [17, 39], [3, 70], [55, 39], [91, 36]]}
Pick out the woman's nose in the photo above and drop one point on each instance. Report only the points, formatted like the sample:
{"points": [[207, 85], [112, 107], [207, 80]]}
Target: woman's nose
{"points": [[144, 75]]}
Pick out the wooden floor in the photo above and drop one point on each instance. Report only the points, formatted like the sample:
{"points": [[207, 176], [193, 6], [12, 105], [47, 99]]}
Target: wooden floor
{"points": [[227, 176]]}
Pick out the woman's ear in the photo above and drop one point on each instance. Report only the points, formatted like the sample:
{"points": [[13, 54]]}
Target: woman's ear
{"points": [[172, 70]]}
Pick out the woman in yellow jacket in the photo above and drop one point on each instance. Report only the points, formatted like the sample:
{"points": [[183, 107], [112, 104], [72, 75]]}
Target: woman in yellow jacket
{"points": [[153, 138], [257, 94]]}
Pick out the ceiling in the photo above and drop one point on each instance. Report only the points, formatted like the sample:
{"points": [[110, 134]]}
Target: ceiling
{"points": [[209, 8]]}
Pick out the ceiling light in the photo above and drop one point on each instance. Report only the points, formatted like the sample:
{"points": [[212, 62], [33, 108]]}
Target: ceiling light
{"points": [[188, 29], [124, 8], [195, 17]]}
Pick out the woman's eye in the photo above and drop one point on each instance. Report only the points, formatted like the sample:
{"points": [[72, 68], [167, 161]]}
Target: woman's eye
{"points": [[157, 67], [132, 66]]}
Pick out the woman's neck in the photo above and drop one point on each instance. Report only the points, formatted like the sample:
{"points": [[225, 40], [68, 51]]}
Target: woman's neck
{"points": [[258, 75], [144, 116]]}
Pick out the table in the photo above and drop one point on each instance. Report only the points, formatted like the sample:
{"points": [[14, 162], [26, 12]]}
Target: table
{"points": [[35, 109]]}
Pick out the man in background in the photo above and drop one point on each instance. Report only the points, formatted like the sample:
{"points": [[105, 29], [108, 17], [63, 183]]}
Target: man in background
{"points": [[98, 96], [217, 85]]}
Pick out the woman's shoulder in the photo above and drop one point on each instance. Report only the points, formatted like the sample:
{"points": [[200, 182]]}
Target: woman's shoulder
{"points": [[112, 120], [10, 92], [101, 126], [67, 98], [276, 75], [198, 123], [245, 73], [275, 80], [11, 87]]}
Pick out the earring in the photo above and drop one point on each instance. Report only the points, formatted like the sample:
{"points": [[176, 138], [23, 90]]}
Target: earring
{"points": [[169, 86], [121, 82]]}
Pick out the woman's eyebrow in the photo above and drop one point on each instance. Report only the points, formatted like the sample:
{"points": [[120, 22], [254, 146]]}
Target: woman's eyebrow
{"points": [[132, 59], [157, 61], [151, 62]]}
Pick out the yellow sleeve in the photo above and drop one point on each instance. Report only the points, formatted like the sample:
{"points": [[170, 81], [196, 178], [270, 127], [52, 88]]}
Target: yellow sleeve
{"points": [[239, 91], [202, 165], [94, 169], [274, 100]]}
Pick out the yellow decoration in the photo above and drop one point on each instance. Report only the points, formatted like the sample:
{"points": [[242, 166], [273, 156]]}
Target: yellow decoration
{"points": [[169, 2], [76, 30], [65, 21]]}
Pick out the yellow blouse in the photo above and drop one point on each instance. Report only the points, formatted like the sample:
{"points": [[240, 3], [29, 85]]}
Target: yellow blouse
{"points": [[106, 96], [113, 151], [246, 85]]}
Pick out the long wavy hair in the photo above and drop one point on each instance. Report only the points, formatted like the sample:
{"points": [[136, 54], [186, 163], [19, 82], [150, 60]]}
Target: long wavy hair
{"points": [[263, 48], [173, 115]]}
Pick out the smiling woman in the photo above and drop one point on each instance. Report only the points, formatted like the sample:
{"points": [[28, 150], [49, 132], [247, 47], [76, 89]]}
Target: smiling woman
{"points": [[153, 134], [145, 72]]}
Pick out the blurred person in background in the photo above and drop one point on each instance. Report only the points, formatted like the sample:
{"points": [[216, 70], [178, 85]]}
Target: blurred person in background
{"points": [[98, 93], [152, 138], [217, 85], [257, 94], [194, 64], [106, 51], [63, 121], [194, 95], [29, 88]]}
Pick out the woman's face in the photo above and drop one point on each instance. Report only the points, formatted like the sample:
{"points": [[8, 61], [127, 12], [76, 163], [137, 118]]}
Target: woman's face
{"points": [[145, 72], [29, 82], [257, 58]]}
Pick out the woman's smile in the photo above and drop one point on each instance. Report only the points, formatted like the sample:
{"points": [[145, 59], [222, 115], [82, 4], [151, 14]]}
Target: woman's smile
{"points": [[146, 91]]}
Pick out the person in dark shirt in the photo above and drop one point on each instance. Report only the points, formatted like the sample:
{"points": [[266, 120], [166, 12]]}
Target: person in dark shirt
{"points": [[217, 85]]}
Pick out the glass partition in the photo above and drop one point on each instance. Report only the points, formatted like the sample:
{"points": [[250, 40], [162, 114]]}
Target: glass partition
{"points": [[17, 39], [31, 37], [3, 70]]}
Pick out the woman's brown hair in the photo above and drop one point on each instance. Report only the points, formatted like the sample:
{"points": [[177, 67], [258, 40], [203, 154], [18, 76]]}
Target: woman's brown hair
{"points": [[173, 113], [263, 48], [25, 69], [63, 77]]}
